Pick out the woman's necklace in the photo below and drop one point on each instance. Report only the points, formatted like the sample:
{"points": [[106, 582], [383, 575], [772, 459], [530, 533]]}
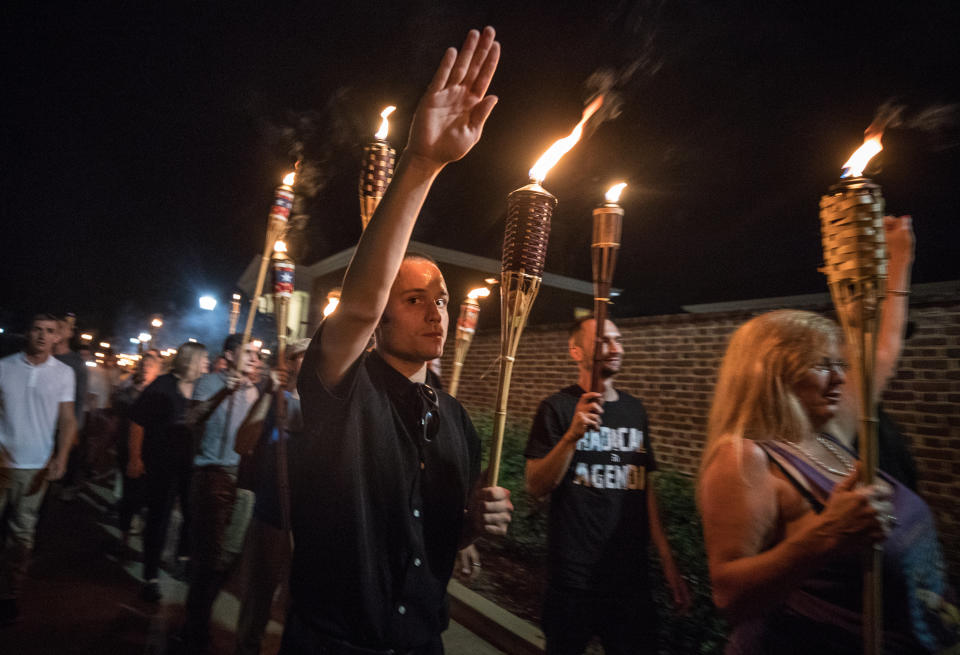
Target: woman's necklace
{"points": [[845, 461]]}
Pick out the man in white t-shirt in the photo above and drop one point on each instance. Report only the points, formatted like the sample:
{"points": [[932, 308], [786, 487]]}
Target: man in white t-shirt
{"points": [[37, 393]]}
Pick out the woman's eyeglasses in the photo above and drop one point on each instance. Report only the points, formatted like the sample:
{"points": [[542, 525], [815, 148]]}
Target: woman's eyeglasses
{"points": [[828, 365], [429, 412]]}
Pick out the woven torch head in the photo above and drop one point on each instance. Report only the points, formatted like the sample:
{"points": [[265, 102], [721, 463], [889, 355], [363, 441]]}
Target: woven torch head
{"points": [[378, 162], [529, 210]]}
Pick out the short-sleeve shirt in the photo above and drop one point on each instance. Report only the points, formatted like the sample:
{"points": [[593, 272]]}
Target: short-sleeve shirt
{"points": [[220, 430], [30, 397], [598, 529], [377, 512], [161, 411]]}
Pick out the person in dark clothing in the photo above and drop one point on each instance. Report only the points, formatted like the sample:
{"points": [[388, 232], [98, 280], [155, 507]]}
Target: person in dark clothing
{"points": [[161, 445], [592, 453], [70, 483], [385, 476], [134, 489]]}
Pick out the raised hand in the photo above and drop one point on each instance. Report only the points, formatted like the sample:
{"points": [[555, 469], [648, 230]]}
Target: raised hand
{"points": [[899, 236], [451, 114]]}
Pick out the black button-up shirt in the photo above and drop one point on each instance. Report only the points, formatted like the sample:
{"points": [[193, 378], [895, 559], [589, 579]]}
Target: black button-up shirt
{"points": [[377, 511]]}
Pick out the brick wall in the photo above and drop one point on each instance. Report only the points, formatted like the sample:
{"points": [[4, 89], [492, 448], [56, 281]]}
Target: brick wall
{"points": [[671, 363]]}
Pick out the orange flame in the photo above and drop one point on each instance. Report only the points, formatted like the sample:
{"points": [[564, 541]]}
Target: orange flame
{"points": [[858, 161], [289, 178], [384, 124], [562, 146], [331, 307], [613, 193], [481, 292], [279, 246]]}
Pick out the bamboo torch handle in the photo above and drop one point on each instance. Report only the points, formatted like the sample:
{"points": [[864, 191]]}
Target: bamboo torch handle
{"points": [[273, 233], [600, 319], [500, 421]]}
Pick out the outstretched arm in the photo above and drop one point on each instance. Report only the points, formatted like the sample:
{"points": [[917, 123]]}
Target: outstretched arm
{"points": [[893, 321], [899, 233], [447, 124]]}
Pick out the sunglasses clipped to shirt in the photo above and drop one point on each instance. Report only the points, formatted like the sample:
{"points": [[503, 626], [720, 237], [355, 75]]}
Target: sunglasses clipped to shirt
{"points": [[429, 404]]}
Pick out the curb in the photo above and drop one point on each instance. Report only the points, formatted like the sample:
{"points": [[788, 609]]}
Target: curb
{"points": [[492, 623]]}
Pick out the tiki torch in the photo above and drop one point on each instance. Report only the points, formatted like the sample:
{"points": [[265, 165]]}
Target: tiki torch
{"points": [[466, 327], [234, 312], [333, 300], [378, 161], [855, 263], [283, 275], [276, 224], [607, 224], [529, 210]]}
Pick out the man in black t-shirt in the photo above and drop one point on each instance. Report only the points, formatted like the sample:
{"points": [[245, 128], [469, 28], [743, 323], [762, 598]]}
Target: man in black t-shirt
{"points": [[384, 475], [591, 453]]}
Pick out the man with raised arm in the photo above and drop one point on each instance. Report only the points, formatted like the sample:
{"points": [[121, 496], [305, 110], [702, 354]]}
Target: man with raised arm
{"points": [[591, 452], [385, 474]]}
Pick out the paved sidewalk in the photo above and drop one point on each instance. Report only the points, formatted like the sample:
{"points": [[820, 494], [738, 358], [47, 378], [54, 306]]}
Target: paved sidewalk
{"points": [[79, 599]]}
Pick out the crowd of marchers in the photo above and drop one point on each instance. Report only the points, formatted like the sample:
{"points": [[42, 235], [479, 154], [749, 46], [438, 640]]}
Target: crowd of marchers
{"points": [[348, 471]]}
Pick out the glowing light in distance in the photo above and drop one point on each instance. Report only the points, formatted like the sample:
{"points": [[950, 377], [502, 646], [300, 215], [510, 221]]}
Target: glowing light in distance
{"points": [[279, 246], [208, 303], [491, 280], [99, 355], [613, 193], [134, 340], [104, 344], [266, 351], [91, 364], [481, 292], [86, 336], [256, 343], [144, 337], [562, 146], [290, 178], [385, 123], [192, 340], [236, 296], [157, 323]]}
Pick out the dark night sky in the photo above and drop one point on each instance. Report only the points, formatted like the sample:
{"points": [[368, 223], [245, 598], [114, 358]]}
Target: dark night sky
{"points": [[141, 144]]}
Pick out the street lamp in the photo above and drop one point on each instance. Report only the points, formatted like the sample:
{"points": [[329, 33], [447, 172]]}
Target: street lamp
{"points": [[155, 324], [208, 303]]}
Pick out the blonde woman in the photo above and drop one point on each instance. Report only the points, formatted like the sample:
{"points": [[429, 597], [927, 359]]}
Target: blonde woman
{"points": [[784, 518]]}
